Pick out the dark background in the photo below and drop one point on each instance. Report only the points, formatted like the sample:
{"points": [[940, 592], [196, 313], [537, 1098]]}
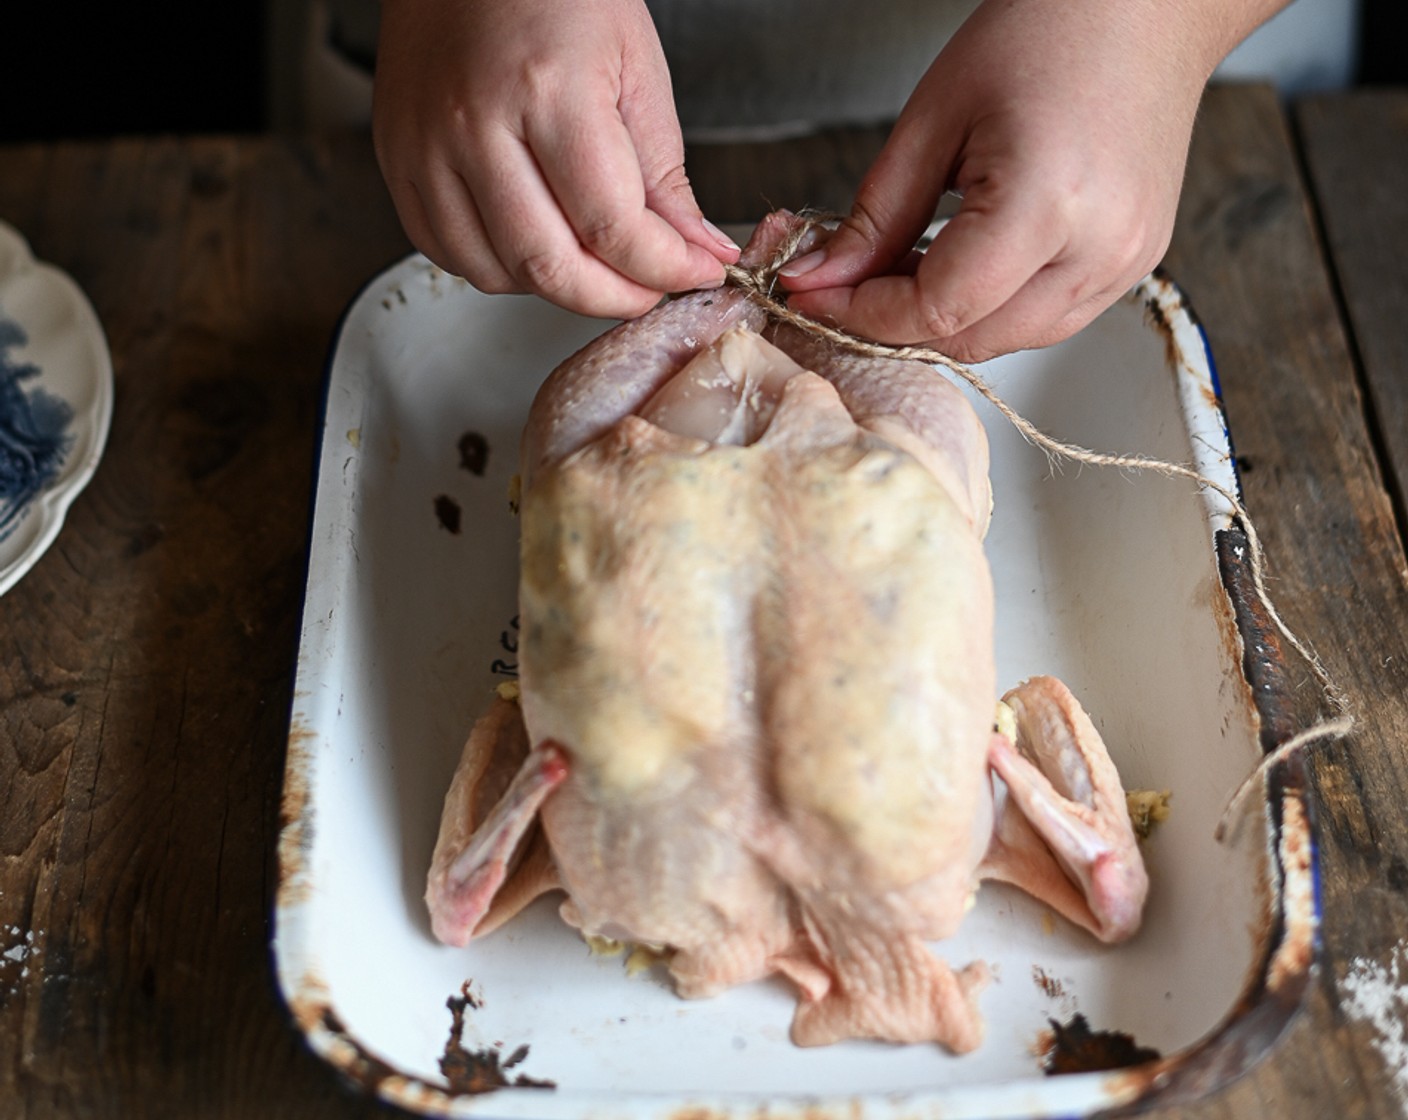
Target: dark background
{"points": [[141, 66], [1383, 43], [155, 66]]}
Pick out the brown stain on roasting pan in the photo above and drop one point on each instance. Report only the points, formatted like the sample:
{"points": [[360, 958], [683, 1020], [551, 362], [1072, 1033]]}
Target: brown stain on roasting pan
{"points": [[295, 841]]}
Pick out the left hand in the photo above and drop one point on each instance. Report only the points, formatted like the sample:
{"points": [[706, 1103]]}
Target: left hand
{"points": [[531, 145], [1065, 128]]}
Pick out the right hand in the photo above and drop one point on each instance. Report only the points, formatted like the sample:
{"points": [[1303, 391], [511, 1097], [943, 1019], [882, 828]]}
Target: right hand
{"points": [[533, 146], [1065, 128]]}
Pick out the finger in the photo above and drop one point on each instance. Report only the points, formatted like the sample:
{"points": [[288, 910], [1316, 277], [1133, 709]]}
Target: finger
{"points": [[590, 163], [672, 198], [647, 110], [533, 239], [908, 265], [893, 207], [1052, 307], [868, 310], [454, 230], [414, 220], [1059, 299], [981, 258], [978, 261], [406, 197], [1035, 316]]}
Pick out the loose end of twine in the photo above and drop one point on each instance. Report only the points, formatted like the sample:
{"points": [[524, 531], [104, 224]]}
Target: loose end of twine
{"points": [[1326, 730]]}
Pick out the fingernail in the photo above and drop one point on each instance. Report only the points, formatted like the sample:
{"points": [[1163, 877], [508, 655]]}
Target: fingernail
{"points": [[717, 234], [802, 265]]}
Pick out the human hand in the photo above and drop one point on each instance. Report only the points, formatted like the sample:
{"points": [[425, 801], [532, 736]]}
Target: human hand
{"points": [[1065, 128], [531, 145]]}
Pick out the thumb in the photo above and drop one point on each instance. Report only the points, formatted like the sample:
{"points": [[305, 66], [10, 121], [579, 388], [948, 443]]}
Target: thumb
{"points": [[893, 207], [671, 196], [648, 113]]}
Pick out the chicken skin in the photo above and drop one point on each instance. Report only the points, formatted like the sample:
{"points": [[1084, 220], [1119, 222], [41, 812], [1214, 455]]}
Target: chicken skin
{"points": [[756, 722]]}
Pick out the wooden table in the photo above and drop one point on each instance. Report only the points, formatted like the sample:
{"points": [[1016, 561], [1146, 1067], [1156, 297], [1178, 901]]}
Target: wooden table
{"points": [[146, 663]]}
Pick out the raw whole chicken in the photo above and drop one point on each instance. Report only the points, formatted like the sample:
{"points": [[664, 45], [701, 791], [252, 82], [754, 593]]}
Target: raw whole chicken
{"points": [[756, 721]]}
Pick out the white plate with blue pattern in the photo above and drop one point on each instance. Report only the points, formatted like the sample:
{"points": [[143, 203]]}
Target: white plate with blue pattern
{"points": [[56, 393]]}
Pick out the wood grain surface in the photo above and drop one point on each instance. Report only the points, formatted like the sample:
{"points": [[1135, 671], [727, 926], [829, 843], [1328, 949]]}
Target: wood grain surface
{"points": [[1356, 153], [146, 662]]}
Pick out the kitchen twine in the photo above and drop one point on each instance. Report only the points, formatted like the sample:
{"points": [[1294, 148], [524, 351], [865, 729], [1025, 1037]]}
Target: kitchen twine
{"points": [[759, 283]]}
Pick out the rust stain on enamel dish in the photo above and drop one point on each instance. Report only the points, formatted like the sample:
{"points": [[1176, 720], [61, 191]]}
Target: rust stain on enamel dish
{"points": [[312, 1010], [1263, 659], [474, 453], [1138, 1082], [295, 825], [1164, 298], [1296, 953], [1161, 290], [359, 1064], [1072, 1047], [470, 1072], [852, 1109], [1265, 670], [1225, 615], [447, 513], [308, 1003], [1049, 985]]}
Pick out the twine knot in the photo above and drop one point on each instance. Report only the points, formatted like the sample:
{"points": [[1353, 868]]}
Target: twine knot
{"points": [[758, 281]]}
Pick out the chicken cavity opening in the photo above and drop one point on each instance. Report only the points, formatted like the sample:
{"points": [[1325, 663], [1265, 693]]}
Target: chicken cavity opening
{"points": [[727, 393]]}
